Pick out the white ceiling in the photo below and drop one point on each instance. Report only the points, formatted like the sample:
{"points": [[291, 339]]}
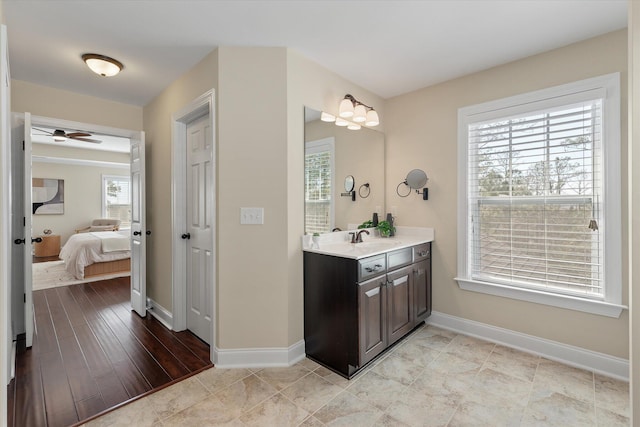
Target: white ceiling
{"points": [[389, 47]]}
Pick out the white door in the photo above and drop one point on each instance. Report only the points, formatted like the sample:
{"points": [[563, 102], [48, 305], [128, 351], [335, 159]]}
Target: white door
{"points": [[199, 227], [138, 230], [28, 286]]}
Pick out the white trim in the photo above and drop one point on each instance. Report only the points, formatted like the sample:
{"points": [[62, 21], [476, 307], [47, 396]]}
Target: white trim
{"points": [[608, 87], [204, 104], [13, 360], [163, 315], [260, 357], [540, 297], [578, 357], [79, 162]]}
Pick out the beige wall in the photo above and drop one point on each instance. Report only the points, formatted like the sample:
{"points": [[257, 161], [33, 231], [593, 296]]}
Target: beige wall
{"points": [[82, 196], [634, 207], [422, 133], [61, 104], [157, 126], [360, 154]]}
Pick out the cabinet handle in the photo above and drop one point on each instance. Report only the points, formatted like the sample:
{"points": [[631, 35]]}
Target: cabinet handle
{"points": [[423, 253], [37, 240], [19, 241], [137, 233], [186, 236]]}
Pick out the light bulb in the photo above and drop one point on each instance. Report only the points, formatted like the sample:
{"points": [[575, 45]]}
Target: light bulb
{"points": [[360, 113], [372, 118], [346, 108], [326, 117]]}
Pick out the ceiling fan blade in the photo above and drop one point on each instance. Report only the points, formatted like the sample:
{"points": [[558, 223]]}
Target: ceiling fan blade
{"points": [[42, 130], [95, 141], [77, 134]]}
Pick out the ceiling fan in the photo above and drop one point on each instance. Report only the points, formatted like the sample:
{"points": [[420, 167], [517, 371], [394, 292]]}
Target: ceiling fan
{"points": [[60, 135]]}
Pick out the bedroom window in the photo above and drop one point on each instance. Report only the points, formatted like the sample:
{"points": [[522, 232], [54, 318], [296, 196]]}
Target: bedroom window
{"points": [[539, 207], [116, 199]]}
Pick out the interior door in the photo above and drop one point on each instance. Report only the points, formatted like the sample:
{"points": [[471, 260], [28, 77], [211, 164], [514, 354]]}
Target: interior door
{"points": [[199, 223], [138, 230], [28, 247]]}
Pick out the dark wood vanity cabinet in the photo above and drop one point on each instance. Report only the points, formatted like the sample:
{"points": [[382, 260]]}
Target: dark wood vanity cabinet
{"points": [[356, 309]]}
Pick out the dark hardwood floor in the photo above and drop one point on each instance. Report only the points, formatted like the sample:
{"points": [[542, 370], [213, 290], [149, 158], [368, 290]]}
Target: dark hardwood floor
{"points": [[91, 352]]}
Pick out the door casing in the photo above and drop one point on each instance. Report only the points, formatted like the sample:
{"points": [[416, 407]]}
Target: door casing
{"points": [[200, 106]]}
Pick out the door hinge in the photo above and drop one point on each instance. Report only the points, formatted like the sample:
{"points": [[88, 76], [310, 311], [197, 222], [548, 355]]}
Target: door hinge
{"points": [[24, 297], [24, 221], [22, 145]]}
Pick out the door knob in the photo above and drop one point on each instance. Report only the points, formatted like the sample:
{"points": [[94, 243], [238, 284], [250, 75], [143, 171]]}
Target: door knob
{"points": [[137, 233], [148, 233], [37, 240], [186, 236], [19, 241]]}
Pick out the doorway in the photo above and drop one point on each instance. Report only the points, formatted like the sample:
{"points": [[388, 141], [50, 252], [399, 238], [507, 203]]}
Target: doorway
{"points": [[194, 220]]}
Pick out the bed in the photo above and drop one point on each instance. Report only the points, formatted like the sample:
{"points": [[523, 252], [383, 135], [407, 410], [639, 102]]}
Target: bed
{"points": [[97, 253]]}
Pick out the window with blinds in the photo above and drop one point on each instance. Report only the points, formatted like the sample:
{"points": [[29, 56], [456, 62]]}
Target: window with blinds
{"points": [[319, 182], [116, 198], [539, 196], [534, 183]]}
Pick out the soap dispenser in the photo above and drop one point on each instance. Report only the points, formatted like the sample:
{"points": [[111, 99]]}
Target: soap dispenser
{"points": [[390, 221], [375, 219]]}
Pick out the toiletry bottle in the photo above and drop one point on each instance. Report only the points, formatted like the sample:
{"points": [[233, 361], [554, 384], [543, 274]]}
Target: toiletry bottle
{"points": [[375, 219], [390, 221]]}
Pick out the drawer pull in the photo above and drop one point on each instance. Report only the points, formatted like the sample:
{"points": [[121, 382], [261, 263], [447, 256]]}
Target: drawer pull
{"points": [[423, 253]]}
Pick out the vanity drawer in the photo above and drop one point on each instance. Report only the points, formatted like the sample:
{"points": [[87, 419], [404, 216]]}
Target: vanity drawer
{"points": [[399, 258], [371, 267], [421, 252]]}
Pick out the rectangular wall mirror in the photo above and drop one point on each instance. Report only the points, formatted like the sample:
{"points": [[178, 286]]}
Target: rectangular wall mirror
{"points": [[332, 153]]}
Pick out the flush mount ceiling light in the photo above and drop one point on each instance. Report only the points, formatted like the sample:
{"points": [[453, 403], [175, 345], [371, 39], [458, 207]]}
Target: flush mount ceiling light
{"points": [[358, 114], [102, 65]]}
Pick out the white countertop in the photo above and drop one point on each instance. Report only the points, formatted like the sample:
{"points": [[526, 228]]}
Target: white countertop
{"points": [[339, 243]]}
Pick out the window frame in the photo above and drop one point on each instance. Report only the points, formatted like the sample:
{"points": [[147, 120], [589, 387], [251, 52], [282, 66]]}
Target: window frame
{"points": [[319, 146], [606, 87], [103, 201]]}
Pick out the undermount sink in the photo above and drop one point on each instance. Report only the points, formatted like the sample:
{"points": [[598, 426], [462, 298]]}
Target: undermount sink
{"points": [[365, 248]]}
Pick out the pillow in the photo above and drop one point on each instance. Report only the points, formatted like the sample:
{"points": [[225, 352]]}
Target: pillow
{"points": [[102, 228]]}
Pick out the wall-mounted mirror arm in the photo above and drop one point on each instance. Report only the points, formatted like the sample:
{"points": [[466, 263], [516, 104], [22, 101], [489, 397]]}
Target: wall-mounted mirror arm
{"points": [[416, 180]]}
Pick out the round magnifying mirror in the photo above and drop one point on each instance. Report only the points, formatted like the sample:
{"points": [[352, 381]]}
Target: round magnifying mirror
{"points": [[349, 183], [416, 179]]}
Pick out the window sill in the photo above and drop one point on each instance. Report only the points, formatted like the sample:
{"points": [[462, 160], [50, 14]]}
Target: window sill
{"points": [[562, 301]]}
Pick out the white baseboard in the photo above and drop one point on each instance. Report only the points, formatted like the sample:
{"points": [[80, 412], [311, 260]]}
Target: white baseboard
{"points": [[163, 315], [260, 357], [600, 363]]}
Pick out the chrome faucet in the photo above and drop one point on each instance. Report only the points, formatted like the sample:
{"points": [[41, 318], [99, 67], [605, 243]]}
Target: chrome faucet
{"points": [[358, 237]]}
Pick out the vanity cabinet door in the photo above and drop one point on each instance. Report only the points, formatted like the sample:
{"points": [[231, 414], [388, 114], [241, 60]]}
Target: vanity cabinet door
{"points": [[372, 318], [400, 303], [422, 289]]}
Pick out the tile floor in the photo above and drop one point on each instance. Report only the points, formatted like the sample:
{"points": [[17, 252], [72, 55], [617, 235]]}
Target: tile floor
{"points": [[433, 378]]}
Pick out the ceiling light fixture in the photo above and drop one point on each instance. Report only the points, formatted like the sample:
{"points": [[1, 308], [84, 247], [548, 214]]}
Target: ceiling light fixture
{"points": [[102, 65], [59, 135]]}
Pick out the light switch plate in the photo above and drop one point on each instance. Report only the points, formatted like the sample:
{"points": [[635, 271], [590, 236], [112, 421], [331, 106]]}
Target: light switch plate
{"points": [[251, 215]]}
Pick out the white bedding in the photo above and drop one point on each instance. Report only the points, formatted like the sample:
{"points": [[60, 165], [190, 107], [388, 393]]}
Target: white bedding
{"points": [[86, 248]]}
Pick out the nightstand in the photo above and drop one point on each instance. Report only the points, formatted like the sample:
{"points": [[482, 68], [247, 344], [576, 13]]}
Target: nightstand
{"points": [[50, 246]]}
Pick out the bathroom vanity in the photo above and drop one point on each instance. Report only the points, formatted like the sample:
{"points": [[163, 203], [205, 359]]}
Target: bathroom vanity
{"points": [[361, 298]]}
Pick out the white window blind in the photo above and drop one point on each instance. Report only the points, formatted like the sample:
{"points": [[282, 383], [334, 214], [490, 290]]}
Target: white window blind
{"points": [[318, 186], [535, 181], [539, 200], [116, 191]]}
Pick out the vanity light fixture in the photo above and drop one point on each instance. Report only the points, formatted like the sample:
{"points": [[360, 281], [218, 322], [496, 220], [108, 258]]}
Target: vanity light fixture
{"points": [[102, 65], [357, 113]]}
